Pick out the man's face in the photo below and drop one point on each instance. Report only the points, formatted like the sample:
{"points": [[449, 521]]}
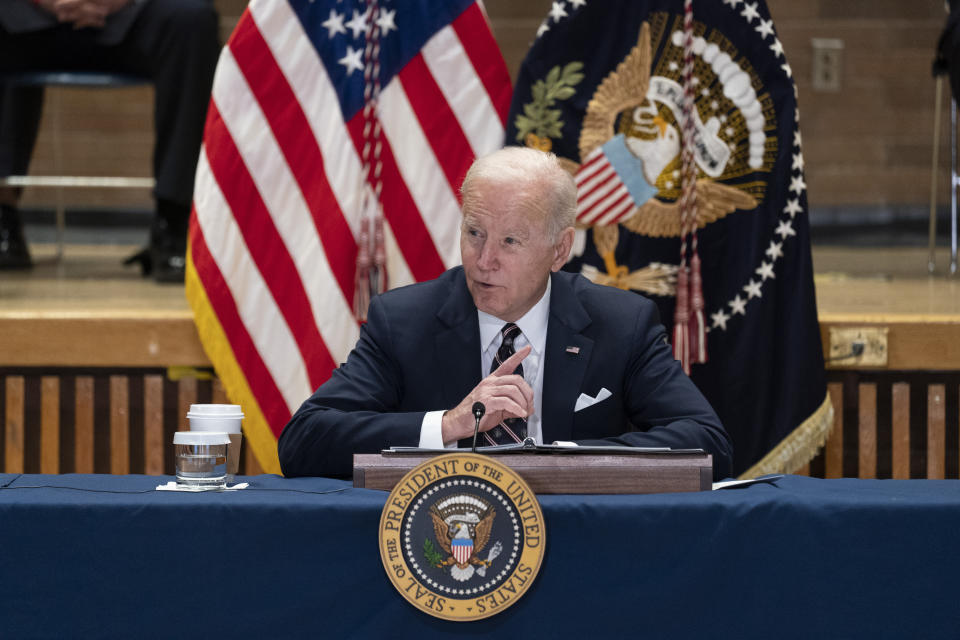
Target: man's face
{"points": [[507, 252]]}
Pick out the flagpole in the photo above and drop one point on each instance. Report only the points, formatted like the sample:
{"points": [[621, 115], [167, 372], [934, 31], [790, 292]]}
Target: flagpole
{"points": [[689, 327], [371, 275]]}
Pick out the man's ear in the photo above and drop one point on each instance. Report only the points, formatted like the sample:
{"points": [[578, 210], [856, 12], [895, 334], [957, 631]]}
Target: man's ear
{"points": [[562, 249]]}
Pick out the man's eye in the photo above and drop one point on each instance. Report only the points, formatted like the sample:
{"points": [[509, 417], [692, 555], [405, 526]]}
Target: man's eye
{"points": [[509, 240]]}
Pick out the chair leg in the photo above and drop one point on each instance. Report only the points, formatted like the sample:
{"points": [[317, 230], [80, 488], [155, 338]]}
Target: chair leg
{"points": [[954, 182], [61, 224], [61, 219], [932, 241]]}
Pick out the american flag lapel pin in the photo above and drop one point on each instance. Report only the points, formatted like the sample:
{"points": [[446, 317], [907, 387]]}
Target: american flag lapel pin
{"points": [[573, 350]]}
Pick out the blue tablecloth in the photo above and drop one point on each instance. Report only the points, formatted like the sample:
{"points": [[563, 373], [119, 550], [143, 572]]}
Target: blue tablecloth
{"points": [[106, 556]]}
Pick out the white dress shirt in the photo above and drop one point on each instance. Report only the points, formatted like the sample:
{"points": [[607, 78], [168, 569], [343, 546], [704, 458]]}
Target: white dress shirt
{"points": [[533, 331]]}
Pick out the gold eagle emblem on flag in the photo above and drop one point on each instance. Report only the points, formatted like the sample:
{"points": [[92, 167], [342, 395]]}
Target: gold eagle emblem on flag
{"points": [[629, 147]]}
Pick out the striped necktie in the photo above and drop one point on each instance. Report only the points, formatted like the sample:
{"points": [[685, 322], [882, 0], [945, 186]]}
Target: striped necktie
{"points": [[511, 430]]}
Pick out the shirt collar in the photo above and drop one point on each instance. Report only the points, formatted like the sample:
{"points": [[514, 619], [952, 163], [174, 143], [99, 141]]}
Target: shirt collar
{"points": [[533, 324]]}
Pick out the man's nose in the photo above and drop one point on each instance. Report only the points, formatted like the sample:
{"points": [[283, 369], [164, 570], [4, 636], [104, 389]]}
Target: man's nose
{"points": [[488, 258]]}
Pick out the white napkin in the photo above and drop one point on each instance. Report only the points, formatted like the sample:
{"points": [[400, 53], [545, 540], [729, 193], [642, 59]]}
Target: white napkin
{"points": [[173, 486]]}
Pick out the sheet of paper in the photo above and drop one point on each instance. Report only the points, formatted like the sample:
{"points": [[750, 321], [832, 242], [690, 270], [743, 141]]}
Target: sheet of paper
{"points": [[736, 484]]}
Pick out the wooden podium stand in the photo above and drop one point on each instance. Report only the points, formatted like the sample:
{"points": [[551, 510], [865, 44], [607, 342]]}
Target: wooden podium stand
{"points": [[568, 472]]}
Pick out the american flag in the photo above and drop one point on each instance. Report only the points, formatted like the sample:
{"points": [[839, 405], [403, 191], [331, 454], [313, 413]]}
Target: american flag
{"points": [[281, 179], [609, 184], [462, 549]]}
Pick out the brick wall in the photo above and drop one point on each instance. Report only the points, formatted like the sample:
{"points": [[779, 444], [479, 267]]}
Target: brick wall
{"points": [[871, 142], [867, 145]]}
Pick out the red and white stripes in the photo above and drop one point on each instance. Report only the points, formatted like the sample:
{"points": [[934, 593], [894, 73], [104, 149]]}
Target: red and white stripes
{"points": [[280, 184], [602, 198]]}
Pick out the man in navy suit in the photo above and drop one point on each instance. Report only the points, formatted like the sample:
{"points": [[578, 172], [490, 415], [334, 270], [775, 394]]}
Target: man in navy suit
{"points": [[596, 366]]}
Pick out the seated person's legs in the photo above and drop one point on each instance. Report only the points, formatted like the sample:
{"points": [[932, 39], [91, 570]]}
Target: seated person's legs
{"points": [[58, 47], [173, 42], [19, 120]]}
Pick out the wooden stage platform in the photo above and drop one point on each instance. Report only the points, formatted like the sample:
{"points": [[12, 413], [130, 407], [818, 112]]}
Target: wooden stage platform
{"points": [[88, 345]]}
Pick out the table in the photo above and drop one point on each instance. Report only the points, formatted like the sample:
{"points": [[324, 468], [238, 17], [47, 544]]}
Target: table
{"points": [[105, 556]]}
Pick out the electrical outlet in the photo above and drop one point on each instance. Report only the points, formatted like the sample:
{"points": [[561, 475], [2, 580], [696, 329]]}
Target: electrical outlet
{"points": [[873, 339], [827, 64]]}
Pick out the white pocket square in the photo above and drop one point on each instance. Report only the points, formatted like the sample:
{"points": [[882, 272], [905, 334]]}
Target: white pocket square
{"points": [[585, 401]]}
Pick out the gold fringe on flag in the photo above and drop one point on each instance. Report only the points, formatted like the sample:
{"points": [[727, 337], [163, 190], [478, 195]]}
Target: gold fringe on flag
{"points": [[798, 448]]}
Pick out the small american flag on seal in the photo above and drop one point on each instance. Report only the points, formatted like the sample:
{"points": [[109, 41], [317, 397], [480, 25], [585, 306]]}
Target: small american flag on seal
{"points": [[462, 549]]}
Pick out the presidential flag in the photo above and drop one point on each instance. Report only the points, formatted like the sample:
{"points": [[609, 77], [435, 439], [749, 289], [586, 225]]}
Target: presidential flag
{"points": [[337, 136], [603, 86]]}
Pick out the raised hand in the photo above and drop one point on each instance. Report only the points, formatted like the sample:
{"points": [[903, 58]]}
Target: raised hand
{"points": [[503, 393]]}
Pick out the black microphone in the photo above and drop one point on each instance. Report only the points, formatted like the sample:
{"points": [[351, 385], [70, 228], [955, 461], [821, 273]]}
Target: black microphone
{"points": [[478, 411]]}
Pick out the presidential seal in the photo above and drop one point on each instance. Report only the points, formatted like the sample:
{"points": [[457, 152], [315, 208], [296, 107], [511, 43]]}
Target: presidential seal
{"points": [[462, 537]]}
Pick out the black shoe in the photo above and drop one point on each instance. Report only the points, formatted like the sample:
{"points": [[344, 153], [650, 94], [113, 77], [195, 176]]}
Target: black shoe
{"points": [[167, 253], [142, 258], [169, 267], [13, 248]]}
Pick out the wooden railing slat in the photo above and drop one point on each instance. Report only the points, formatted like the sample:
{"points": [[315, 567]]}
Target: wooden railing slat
{"points": [[153, 425], [936, 431], [119, 425], [219, 393], [868, 430], [186, 395], [834, 447], [83, 431], [13, 438], [50, 424], [900, 392], [253, 467]]}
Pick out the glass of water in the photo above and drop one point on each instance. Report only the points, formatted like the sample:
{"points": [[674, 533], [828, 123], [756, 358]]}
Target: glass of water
{"points": [[201, 459]]}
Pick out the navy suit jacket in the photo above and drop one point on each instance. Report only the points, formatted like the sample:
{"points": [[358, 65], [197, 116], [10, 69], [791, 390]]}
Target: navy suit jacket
{"points": [[420, 351]]}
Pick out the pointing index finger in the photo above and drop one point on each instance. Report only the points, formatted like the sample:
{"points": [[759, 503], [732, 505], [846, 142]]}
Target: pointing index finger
{"points": [[512, 362]]}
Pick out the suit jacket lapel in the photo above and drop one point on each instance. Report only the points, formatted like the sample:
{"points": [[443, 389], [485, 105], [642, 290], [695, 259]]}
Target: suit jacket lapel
{"points": [[457, 344], [563, 370]]}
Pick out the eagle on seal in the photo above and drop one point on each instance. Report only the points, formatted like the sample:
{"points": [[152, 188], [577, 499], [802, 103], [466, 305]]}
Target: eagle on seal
{"points": [[462, 538]]}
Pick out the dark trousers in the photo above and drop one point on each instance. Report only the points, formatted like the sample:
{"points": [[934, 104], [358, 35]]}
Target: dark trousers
{"points": [[175, 43]]}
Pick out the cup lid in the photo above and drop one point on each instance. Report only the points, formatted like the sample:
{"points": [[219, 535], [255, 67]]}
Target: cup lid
{"points": [[215, 411], [200, 437]]}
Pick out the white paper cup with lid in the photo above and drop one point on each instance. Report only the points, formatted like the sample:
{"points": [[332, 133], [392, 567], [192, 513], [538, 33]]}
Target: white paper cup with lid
{"points": [[201, 459], [220, 418]]}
